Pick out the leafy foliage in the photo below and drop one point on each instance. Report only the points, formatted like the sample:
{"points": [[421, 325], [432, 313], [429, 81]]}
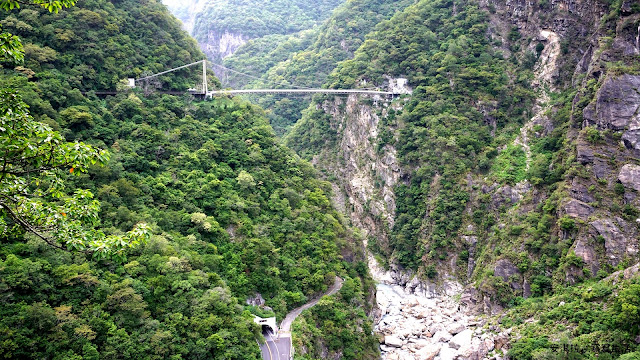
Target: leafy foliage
{"points": [[50, 5], [582, 322], [231, 212], [32, 195]]}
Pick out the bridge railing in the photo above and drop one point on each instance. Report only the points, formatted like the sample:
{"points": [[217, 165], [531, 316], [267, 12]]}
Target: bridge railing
{"points": [[302, 91]]}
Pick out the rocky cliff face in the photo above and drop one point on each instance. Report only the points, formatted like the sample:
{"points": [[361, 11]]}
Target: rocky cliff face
{"points": [[610, 158], [221, 44], [574, 49], [416, 319], [366, 175], [217, 44]]}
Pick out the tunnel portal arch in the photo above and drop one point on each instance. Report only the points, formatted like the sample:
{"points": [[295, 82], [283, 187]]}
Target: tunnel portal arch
{"points": [[267, 324]]}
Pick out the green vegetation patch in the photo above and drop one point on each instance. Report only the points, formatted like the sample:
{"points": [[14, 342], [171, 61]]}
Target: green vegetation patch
{"points": [[594, 320], [510, 165]]}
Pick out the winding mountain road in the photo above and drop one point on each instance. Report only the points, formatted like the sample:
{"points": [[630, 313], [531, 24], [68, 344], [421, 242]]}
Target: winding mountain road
{"points": [[280, 348], [285, 326]]}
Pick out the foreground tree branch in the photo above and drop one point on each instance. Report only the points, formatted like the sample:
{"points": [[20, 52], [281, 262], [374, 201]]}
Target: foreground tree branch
{"points": [[33, 196]]}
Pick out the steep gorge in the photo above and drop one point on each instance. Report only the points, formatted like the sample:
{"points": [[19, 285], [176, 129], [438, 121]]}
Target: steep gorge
{"points": [[552, 198], [222, 27]]}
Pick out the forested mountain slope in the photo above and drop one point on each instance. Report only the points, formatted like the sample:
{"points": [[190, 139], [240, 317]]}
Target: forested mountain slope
{"points": [[512, 168], [232, 212], [223, 26]]}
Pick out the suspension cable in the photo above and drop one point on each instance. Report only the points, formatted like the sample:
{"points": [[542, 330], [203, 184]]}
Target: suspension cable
{"points": [[257, 78], [168, 71]]}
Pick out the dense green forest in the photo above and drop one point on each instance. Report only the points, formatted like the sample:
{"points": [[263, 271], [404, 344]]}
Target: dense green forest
{"points": [[135, 225], [230, 211], [583, 322]]}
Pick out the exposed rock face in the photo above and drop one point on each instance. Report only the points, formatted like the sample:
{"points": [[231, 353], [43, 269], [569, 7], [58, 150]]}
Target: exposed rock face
{"points": [[580, 192], [508, 272], [587, 253], [616, 106], [221, 44], [366, 175], [615, 243], [625, 274], [585, 153], [577, 209], [546, 67], [509, 194], [256, 300], [630, 176]]}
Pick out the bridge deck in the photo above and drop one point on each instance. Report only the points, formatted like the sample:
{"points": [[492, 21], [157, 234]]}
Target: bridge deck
{"points": [[300, 91]]}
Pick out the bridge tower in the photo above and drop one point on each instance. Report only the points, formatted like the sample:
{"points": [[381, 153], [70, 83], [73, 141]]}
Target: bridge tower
{"points": [[205, 89]]}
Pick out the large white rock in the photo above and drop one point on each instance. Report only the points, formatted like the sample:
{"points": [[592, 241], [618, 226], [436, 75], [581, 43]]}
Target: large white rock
{"points": [[489, 344], [462, 339], [435, 327], [420, 343], [630, 176], [475, 350], [429, 352], [393, 341], [441, 336], [455, 328], [393, 357], [447, 353]]}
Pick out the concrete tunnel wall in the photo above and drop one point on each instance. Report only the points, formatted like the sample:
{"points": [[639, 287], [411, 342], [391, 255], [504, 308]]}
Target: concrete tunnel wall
{"points": [[268, 322]]}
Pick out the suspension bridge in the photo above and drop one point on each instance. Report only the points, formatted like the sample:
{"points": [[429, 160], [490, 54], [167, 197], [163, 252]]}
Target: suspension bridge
{"points": [[203, 90]]}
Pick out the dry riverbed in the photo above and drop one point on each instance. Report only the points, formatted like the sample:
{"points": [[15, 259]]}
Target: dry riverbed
{"points": [[419, 325]]}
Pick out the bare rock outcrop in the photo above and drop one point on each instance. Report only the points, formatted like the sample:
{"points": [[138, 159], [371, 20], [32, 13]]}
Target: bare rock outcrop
{"points": [[630, 176], [578, 209], [616, 108], [507, 271], [587, 253], [616, 105], [616, 243]]}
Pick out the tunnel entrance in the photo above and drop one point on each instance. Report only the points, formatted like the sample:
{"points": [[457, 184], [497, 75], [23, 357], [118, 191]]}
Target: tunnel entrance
{"points": [[267, 330], [267, 325]]}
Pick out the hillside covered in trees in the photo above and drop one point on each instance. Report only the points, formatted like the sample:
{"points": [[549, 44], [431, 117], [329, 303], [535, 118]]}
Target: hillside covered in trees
{"points": [[230, 212]]}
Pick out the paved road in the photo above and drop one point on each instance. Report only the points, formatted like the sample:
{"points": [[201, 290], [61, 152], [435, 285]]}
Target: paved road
{"points": [[285, 326], [279, 347], [276, 348]]}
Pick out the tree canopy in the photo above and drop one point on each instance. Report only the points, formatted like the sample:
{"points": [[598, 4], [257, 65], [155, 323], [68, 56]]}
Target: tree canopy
{"points": [[230, 212]]}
